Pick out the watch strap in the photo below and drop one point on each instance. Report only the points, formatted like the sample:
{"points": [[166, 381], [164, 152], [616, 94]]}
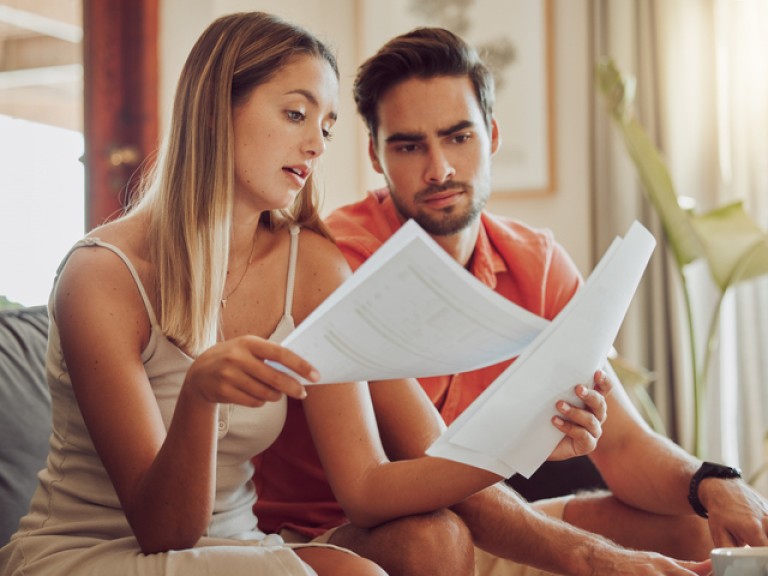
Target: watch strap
{"points": [[708, 470]]}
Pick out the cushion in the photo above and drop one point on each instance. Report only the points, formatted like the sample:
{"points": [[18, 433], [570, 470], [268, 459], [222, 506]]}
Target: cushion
{"points": [[25, 411]]}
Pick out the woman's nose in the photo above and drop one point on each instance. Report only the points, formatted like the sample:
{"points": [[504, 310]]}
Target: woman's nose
{"points": [[316, 142]]}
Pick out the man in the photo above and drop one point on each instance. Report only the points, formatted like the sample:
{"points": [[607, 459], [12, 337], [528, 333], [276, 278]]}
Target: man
{"points": [[427, 101]]}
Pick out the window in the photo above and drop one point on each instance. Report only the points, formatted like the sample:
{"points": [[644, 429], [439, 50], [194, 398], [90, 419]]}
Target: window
{"points": [[41, 143], [75, 124]]}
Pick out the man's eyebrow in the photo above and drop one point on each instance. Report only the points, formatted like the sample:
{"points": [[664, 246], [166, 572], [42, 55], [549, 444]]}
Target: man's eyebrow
{"points": [[458, 127], [419, 136], [405, 137], [312, 99]]}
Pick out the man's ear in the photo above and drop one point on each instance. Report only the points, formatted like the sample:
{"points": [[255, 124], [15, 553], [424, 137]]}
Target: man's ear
{"points": [[373, 156], [495, 136]]}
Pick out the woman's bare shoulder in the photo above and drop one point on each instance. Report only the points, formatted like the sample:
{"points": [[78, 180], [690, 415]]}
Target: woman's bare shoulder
{"points": [[321, 268], [95, 283], [322, 256]]}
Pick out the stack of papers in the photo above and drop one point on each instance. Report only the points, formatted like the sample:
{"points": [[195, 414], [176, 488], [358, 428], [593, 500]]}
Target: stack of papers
{"points": [[411, 311], [507, 429]]}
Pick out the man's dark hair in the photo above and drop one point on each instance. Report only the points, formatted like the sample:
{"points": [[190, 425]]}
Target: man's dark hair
{"points": [[421, 53]]}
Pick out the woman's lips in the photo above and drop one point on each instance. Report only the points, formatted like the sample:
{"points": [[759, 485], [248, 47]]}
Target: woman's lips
{"points": [[298, 175]]}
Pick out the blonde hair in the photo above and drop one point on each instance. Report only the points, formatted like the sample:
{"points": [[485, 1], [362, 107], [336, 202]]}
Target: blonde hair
{"points": [[189, 193]]}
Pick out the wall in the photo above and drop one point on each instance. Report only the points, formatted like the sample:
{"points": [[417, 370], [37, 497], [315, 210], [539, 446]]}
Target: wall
{"points": [[566, 210]]}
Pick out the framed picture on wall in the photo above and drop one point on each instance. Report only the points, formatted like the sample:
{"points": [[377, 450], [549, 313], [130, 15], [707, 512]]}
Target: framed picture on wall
{"points": [[514, 37]]}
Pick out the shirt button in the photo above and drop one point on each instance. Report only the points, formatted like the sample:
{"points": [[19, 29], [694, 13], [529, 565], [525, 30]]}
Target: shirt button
{"points": [[222, 425]]}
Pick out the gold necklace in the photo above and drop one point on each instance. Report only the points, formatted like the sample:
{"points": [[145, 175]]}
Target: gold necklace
{"points": [[247, 265]]}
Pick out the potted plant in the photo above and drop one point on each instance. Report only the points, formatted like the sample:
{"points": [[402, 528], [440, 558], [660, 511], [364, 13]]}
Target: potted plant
{"points": [[731, 243]]}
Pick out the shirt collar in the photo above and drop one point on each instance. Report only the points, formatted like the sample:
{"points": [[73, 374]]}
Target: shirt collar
{"points": [[486, 262]]}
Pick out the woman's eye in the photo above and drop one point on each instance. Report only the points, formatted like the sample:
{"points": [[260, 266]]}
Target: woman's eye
{"points": [[328, 135], [295, 115]]}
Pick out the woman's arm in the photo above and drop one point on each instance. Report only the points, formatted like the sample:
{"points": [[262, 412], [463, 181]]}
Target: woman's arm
{"points": [[340, 416], [369, 487], [157, 475]]}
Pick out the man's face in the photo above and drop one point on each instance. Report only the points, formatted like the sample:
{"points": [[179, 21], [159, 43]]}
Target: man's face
{"points": [[434, 151]]}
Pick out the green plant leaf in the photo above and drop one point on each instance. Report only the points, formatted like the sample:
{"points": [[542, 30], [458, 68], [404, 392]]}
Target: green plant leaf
{"points": [[735, 247], [654, 175]]}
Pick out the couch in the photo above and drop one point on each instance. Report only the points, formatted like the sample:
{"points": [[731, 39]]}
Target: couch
{"points": [[25, 410], [25, 424]]}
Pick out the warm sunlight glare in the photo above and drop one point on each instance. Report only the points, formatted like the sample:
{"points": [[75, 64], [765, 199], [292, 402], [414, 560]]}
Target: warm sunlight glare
{"points": [[41, 213]]}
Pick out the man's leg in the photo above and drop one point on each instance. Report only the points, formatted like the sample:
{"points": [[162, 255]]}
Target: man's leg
{"points": [[424, 545], [681, 537]]}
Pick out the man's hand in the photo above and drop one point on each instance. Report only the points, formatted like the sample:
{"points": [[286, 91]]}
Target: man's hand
{"points": [[582, 426], [638, 563], [738, 515]]}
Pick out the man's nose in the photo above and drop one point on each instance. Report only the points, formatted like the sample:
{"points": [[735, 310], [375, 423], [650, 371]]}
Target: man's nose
{"points": [[439, 168]]}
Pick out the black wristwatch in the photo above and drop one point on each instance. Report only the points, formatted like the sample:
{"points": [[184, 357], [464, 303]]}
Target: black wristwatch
{"points": [[708, 470]]}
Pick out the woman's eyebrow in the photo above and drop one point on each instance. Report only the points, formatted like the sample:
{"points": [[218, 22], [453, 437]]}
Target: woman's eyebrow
{"points": [[312, 99]]}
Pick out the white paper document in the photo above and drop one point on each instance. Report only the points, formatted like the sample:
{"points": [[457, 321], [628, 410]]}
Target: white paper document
{"points": [[508, 428], [411, 311]]}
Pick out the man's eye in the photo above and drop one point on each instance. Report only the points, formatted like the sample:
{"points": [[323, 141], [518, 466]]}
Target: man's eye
{"points": [[408, 148], [462, 138]]}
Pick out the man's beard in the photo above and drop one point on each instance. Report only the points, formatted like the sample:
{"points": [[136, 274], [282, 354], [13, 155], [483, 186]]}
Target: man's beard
{"points": [[452, 219]]}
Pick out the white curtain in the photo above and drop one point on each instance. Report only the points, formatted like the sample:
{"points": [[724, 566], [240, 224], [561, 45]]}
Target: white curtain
{"points": [[702, 75]]}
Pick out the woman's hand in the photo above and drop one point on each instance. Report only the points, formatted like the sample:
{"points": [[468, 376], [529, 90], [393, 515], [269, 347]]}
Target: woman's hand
{"points": [[582, 426], [236, 372]]}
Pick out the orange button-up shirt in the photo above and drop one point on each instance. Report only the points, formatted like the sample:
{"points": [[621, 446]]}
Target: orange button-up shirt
{"points": [[523, 264]]}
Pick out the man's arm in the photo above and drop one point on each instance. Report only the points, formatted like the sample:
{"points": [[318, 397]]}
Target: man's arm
{"points": [[500, 521], [504, 525], [738, 515]]}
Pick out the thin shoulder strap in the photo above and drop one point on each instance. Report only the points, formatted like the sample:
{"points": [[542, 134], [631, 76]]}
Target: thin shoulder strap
{"points": [[294, 251], [91, 241]]}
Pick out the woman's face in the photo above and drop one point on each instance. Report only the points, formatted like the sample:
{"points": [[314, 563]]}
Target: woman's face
{"points": [[281, 130]]}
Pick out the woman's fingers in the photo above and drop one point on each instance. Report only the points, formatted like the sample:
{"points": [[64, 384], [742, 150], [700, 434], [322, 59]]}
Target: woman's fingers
{"points": [[237, 372], [603, 384], [281, 381], [582, 425]]}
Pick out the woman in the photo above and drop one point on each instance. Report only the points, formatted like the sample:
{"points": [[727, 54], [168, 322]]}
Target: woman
{"points": [[161, 323], [160, 394]]}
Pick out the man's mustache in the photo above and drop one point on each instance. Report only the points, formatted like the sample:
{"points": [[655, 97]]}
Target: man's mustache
{"points": [[437, 188]]}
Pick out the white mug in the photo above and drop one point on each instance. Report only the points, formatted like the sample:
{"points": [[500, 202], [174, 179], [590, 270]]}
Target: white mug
{"points": [[740, 561]]}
